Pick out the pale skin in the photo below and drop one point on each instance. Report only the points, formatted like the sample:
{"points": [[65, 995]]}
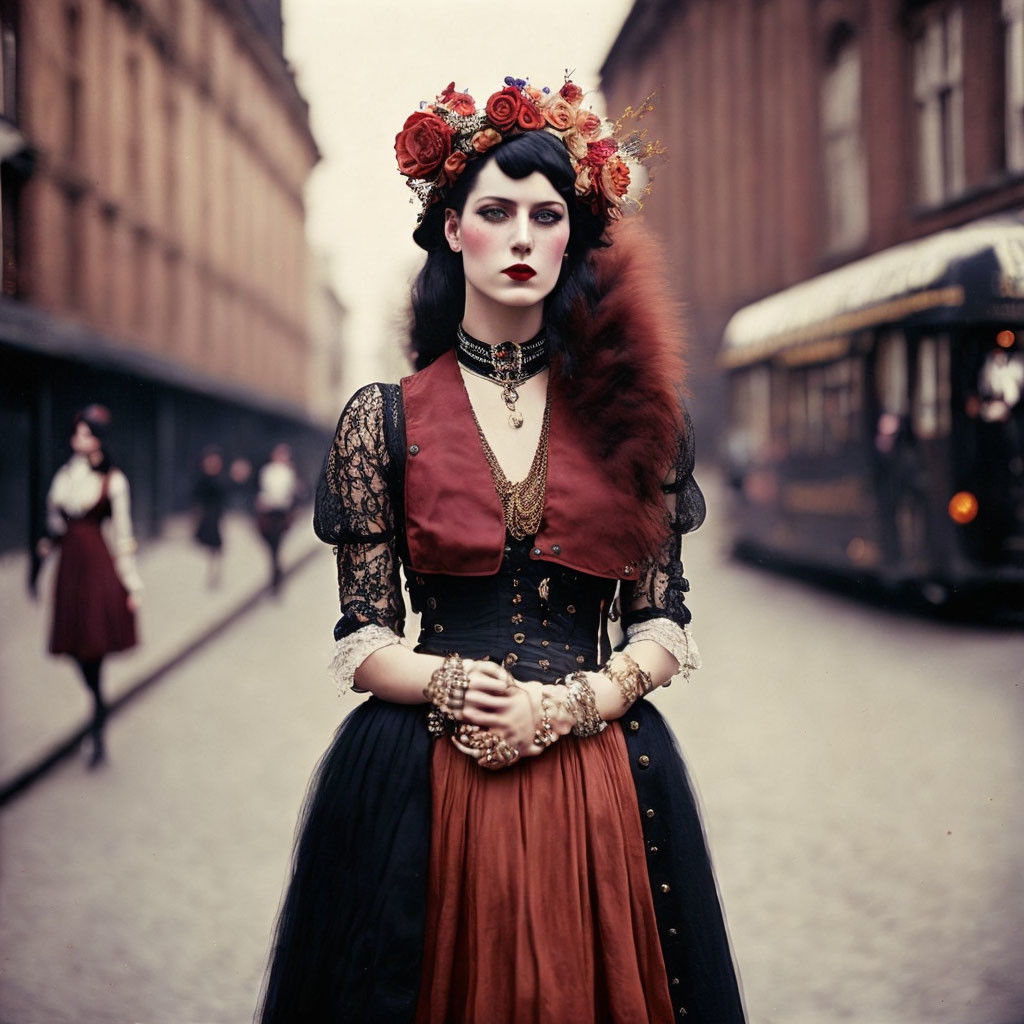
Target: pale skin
{"points": [[506, 222]]}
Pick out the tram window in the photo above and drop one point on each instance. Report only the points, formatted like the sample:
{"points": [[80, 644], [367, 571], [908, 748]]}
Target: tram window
{"points": [[751, 414], [816, 411], [932, 393], [797, 392], [891, 376], [779, 408]]}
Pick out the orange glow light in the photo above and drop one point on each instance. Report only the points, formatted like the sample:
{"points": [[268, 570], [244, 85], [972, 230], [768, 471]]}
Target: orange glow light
{"points": [[963, 507], [1004, 339]]}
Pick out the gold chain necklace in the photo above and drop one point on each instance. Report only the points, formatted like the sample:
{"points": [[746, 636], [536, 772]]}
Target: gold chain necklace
{"points": [[523, 501]]}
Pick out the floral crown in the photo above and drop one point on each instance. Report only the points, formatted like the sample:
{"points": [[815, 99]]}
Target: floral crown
{"points": [[437, 141]]}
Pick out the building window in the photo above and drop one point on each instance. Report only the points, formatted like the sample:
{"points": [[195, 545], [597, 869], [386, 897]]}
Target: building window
{"points": [[939, 99], [1013, 17], [74, 253], [73, 82], [844, 164], [10, 220], [170, 183], [9, 61], [133, 79]]}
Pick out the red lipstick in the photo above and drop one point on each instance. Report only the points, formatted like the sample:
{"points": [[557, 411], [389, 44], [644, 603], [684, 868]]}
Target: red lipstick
{"points": [[519, 272]]}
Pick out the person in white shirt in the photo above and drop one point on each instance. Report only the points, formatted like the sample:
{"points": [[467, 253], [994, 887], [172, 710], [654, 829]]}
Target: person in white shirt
{"points": [[275, 503]]}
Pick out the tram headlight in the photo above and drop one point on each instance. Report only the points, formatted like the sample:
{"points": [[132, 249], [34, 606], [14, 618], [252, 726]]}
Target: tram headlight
{"points": [[963, 507]]}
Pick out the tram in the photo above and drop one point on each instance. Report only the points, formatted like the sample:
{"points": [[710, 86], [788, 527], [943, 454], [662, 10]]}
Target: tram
{"points": [[876, 417]]}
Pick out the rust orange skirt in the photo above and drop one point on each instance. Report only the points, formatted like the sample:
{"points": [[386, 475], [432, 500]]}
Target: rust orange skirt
{"points": [[539, 908]]}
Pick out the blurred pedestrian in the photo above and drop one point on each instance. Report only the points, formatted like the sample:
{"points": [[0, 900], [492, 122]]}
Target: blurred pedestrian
{"points": [[95, 595], [276, 497], [504, 831], [210, 495]]}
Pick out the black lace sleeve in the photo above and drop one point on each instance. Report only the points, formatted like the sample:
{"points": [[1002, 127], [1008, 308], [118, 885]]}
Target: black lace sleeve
{"points": [[354, 512], [660, 587]]}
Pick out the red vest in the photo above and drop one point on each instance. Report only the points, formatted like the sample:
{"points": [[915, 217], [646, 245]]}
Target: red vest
{"points": [[454, 518]]}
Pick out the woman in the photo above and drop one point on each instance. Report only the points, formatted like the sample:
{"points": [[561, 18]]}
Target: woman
{"points": [[525, 846], [95, 596], [210, 495]]}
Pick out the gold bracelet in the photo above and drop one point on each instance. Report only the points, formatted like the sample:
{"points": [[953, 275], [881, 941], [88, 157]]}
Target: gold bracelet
{"points": [[633, 682], [545, 734], [447, 687], [582, 705]]}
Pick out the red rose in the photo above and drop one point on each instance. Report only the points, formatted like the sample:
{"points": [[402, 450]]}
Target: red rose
{"points": [[458, 102], [422, 145], [529, 117], [503, 108], [599, 152], [571, 93]]}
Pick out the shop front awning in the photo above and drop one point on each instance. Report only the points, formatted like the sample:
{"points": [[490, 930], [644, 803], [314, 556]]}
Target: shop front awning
{"points": [[33, 330], [975, 272]]}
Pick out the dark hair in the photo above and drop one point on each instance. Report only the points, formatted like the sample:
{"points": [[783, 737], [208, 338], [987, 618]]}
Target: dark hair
{"points": [[98, 419], [439, 292]]}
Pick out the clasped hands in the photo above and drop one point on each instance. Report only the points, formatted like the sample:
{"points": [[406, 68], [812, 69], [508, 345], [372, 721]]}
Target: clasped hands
{"points": [[499, 718]]}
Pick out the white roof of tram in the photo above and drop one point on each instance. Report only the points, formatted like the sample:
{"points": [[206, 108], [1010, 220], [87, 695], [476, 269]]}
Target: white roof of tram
{"points": [[882, 288]]}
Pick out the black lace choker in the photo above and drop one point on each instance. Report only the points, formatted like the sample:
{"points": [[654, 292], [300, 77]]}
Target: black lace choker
{"points": [[508, 363]]}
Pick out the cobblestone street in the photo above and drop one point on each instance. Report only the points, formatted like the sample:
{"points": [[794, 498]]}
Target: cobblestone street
{"points": [[862, 775]]}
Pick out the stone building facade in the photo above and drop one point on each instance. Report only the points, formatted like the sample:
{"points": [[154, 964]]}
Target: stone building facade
{"points": [[803, 136], [154, 250]]}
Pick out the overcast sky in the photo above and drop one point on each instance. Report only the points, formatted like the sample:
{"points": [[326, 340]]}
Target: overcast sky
{"points": [[364, 67]]}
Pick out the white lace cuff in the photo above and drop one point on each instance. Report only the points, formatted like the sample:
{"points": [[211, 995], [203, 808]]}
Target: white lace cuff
{"points": [[676, 639], [352, 650]]}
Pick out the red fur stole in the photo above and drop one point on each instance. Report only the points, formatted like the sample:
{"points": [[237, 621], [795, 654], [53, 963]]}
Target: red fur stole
{"points": [[626, 396]]}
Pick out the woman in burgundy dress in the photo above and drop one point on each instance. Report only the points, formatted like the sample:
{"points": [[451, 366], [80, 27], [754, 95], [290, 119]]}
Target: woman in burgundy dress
{"points": [[95, 595], [504, 831]]}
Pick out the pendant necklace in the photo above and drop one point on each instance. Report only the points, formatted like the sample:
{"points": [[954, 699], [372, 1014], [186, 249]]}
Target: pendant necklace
{"points": [[508, 363]]}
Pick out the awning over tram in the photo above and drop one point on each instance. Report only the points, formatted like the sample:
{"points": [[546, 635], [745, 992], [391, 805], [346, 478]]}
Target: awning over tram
{"points": [[975, 271]]}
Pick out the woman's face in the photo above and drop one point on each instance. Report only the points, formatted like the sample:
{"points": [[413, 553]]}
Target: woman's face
{"points": [[83, 440], [512, 235]]}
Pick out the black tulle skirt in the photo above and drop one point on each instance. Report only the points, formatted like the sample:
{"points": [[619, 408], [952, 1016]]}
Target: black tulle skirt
{"points": [[349, 940]]}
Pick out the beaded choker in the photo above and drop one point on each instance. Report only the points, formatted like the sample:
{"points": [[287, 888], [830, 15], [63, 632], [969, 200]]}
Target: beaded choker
{"points": [[508, 363]]}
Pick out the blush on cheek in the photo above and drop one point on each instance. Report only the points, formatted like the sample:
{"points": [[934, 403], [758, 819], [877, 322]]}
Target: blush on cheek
{"points": [[554, 243], [478, 239]]}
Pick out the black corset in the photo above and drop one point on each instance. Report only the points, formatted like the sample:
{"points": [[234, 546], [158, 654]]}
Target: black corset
{"points": [[539, 619]]}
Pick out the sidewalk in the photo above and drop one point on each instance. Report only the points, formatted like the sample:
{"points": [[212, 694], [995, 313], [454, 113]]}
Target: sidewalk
{"points": [[43, 702]]}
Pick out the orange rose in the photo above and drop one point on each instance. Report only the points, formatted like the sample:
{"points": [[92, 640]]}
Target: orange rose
{"points": [[529, 117], [422, 145], [614, 179], [484, 139], [572, 94], [503, 108], [559, 114], [588, 124], [453, 167]]}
